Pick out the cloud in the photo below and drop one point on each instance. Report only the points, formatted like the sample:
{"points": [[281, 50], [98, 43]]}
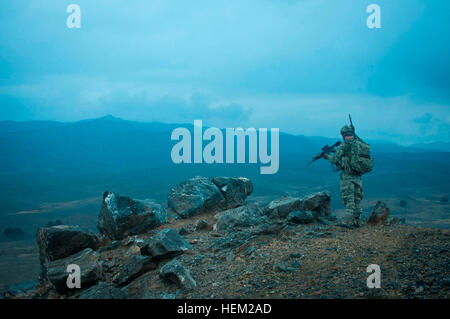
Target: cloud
{"points": [[300, 65], [424, 119], [393, 119], [234, 47], [84, 98], [174, 109]]}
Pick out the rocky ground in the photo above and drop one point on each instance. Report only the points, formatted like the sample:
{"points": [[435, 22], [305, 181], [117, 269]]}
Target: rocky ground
{"points": [[208, 243]]}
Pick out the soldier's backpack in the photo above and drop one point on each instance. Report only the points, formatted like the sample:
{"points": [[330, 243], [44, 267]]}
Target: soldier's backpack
{"points": [[360, 160]]}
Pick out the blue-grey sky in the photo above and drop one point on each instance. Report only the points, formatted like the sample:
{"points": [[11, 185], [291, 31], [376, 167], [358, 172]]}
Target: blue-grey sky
{"points": [[299, 65]]}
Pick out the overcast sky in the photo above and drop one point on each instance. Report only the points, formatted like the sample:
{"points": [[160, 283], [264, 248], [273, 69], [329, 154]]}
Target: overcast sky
{"points": [[301, 66]]}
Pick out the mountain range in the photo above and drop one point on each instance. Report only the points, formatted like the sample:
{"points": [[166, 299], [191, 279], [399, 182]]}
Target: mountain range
{"points": [[54, 170]]}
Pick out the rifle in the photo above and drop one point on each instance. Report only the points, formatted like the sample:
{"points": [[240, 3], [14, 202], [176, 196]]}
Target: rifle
{"points": [[351, 123], [325, 150]]}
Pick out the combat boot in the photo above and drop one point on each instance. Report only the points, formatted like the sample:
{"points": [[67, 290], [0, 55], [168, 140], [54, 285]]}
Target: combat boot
{"points": [[348, 221], [357, 220]]}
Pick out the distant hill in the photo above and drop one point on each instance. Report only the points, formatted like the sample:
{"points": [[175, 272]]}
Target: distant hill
{"points": [[113, 144], [54, 170], [104, 144], [437, 146]]}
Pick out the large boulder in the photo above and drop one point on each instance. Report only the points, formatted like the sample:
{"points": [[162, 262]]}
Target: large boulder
{"points": [[123, 216], [319, 203], [103, 290], [379, 214], [281, 207], [301, 217], [90, 269], [174, 272], [61, 241], [132, 268], [165, 244], [235, 190], [243, 216], [195, 195]]}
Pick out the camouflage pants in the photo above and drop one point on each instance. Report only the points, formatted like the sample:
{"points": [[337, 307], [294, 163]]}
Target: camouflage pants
{"points": [[352, 194]]}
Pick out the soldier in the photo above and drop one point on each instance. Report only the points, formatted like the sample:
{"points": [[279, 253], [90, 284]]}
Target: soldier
{"points": [[351, 182]]}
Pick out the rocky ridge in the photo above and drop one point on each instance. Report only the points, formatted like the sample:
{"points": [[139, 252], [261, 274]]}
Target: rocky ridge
{"points": [[209, 243]]}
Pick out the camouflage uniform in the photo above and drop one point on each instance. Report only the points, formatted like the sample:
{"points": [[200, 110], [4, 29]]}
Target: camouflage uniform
{"points": [[351, 183]]}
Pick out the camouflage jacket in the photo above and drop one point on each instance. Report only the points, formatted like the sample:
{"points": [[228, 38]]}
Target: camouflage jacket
{"points": [[341, 159]]}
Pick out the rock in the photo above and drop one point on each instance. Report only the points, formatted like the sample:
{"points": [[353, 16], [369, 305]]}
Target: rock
{"points": [[332, 218], [301, 217], [132, 250], [165, 244], [249, 250], [318, 202], [195, 195], [379, 214], [61, 241], [140, 288], [132, 268], [289, 231], [90, 267], [133, 240], [269, 228], [115, 244], [446, 282], [201, 224], [323, 221], [396, 221], [211, 267], [54, 223], [282, 267], [234, 190], [280, 208], [232, 240], [122, 216], [173, 271], [201, 194], [199, 258], [392, 221], [103, 291], [230, 256], [183, 231], [419, 290], [243, 216]]}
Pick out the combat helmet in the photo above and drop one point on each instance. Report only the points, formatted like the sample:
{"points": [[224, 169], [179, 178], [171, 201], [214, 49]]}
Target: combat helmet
{"points": [[347, 130]]}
